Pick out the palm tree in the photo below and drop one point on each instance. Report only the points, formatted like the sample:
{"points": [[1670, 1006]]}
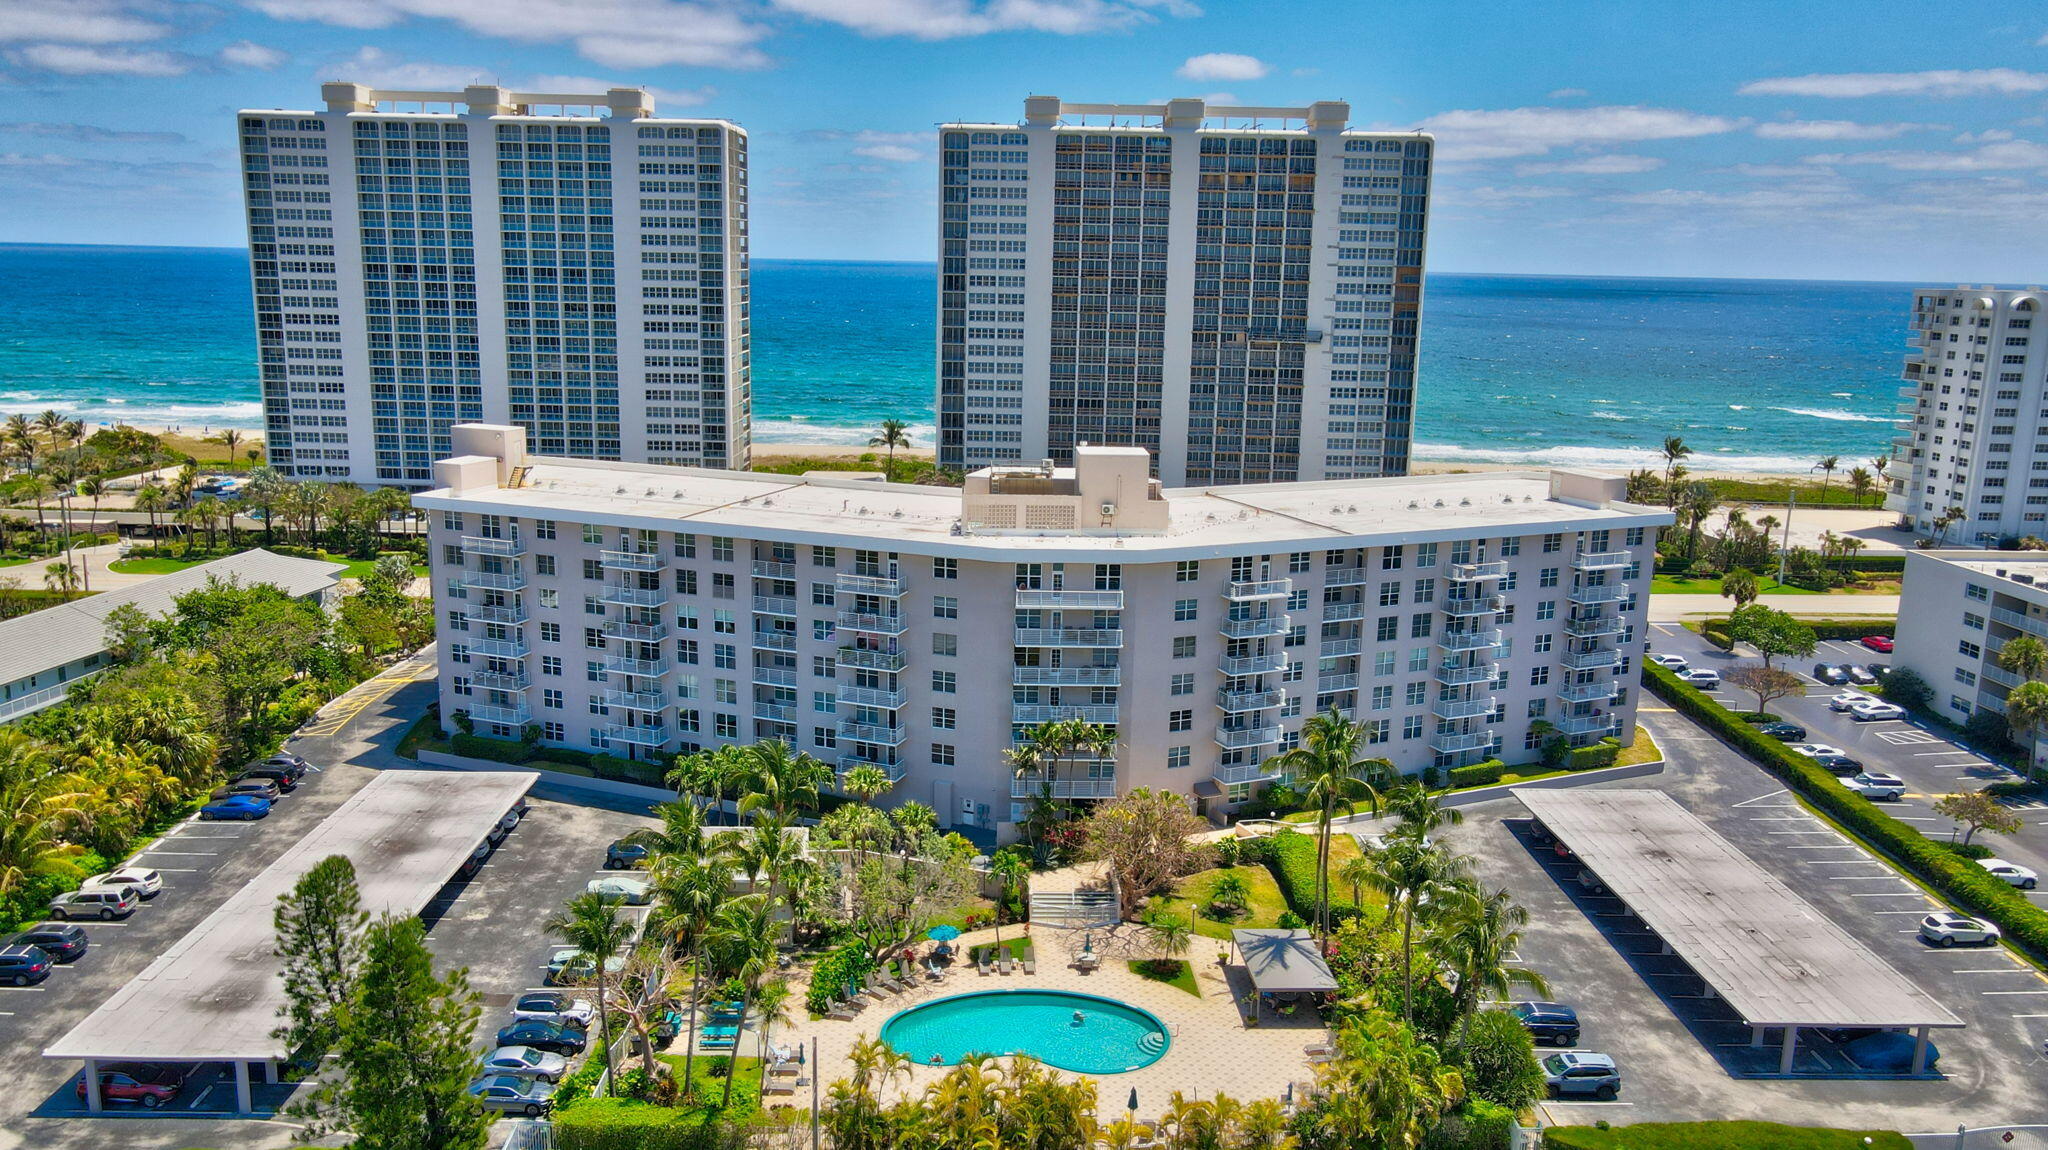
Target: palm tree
{"points": [[33, 810], [2026, 714], [894, 435], [782, 780], [1410, 875], [2024, 656], [689, 890], [1047, 747], [265, 491], [1421, 812], [64, 477], [50, 426], [1674, 451], [866, 784], [742, 943], [1328, 771], [1355, 872], [1827, 466], [771, 1005], [593, 925], [229, 438], [34, 488], [1476, 939], [61, 578], [1699, 502], [1012, 876], [1861, 483], [1947, 519], [1170, 935], [21, 435]]}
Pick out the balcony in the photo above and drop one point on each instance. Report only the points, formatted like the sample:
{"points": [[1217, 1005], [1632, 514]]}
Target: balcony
{"points": [[1586, 692], [640, 632], [1238, 738], [1030, 786], [510, 616], [776, 712], [1469, 640], [774, 605], [2032, 624], [1263, 627], [870, 733], [1457, 744], [1585, 724], [1601, 560], [1346, 576], [654, 736], [1032, 714], [1595, 628], [490, 545], [634, 596], [1459, 675], [872, 624], [1462, 708], [1066, 676], [1033, 597], [888, 586], [1244, 592], [1343, 612], [772, 569], [873, 697], [502, 680], [1473, 607], [1347, 681], [1068, 637], [500, 648], [1337, 648], [776, 676], [1245, 773], [1477, 572], [892, 769], [1589, 660], [775, 640], [632, 560], [1236, 702], [871, 659], [1254, 664], [646, 668], [516, 716], [2000, 675], [495, 580], [1598, 593], [645, 701]]}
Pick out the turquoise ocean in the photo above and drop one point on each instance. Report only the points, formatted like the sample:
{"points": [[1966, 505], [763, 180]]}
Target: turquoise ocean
{"points": [[1762, 375]]}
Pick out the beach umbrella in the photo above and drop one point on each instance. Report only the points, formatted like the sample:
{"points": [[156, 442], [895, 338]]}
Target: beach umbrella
{"points": [[943, 933], [1132, 1105]]}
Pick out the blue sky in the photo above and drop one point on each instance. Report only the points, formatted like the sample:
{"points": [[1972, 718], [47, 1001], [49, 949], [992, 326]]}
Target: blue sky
{"points": [[1818, 140]]}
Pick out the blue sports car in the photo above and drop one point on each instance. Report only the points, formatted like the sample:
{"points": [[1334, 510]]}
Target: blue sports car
{"points": [[238, 807]]}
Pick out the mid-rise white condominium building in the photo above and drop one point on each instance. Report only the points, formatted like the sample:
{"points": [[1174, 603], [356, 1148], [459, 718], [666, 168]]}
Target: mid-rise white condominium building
{"points": [[1974, 434], [568, 263], [1235, 290], [653, 610], [1957, 611]]}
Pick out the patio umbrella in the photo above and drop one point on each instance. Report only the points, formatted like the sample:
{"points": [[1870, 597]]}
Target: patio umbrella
{"points": [[944, 932], [1132, 1105]]}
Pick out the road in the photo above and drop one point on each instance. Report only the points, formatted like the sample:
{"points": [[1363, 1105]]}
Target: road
{"points": [[1670, 608]]}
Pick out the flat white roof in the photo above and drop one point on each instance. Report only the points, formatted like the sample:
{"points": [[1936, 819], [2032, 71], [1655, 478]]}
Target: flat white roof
{"points": [[214, 995], [1768, 952], [1204, 520]]}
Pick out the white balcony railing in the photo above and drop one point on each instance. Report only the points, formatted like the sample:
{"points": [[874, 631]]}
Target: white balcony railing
{"points": [[1258, 589], [775, 640], [1601, 560], [871, 659], [1068, 637], [1585, 724], [1065, 676], [1346, 681], [34, 701], [495, 580], [1469, 640], [892, 769], [1246, 773], [1082, 787], [1343, 612], [776, 712], [1453, 744], [509, 615], [774, 605], [654, 736], [1589, 660], [1033, 714], [889, 586], [1235, 702], [773, 569], [1337, 648], [639, 632], [1264, 627], [1040, 598], [645, 668], [1462, 708], [1598, 593], [1346, 576], [646, 701], [871, 733], [634, 596], [517, 716], [490, 545], [1456, 675], [631, 560], [501, 680], [1585, 692], [873, 697], [1477, 572], [776, 676], [500, 648], [872, 624], [1473, 607], [1238, 738], [1595, 628], [1254, 664]]}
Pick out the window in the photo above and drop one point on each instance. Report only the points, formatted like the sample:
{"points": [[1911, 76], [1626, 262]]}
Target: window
{"points": [[1425, 590], [550, 664], [1974, 591], [592, 570], [1187, 571], [1180, 720], [551, 697], [594, 672], [1540, 645], [1633, 537], [1390, 593], [824, 666], [593, 638], [1547, 577], [721, 549], [1418, 659], [1539, 676], [1973, 622], [1552, 543], [1390, 559], [1183, 684], [1425, 554], [686, 581], [592, 605], [544, 564], [944, 755], [824, 702], [1969, 650], [1966, 677], [554, 731], [550, 598], [724, 656], [550, 632], [1183, 646], [725, 691], [1376, 731], [945, 718], [1184, 610], [1382, 663], [451, 521], [723, 622], [945, 607], [1418, 694], [686, 650], [721, 585], [945, 568], [593, 535], [726, 726], [1388, 628], [1510, 546], [945, 682], [686, 546], [1178, 757], [823, 629], [1383, 697], [1546, 610], [824, 595], [1420, 623], [944, 644], [1300, 562], [1411, 727]]}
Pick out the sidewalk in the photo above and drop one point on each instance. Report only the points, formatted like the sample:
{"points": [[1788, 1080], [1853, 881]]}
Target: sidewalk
{"points": [[1670, 608]]}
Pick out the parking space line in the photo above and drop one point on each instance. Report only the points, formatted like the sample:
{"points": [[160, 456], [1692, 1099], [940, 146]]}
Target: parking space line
{"points": [[1760, 798], [2030, 1016], [1895, 912], [1861, 877], [1889, 894], [1991, 970], [157, 852], [1988, 993]]}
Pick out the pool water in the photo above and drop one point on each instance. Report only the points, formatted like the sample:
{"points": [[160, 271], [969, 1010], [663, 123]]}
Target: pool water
{"points": [[1109, 1038]]}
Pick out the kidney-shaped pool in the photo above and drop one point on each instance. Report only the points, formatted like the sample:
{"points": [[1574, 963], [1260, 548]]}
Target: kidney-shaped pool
{"points": [[1079, 1032]]}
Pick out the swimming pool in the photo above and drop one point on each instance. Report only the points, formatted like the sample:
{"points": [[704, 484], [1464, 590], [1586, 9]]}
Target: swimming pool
{"points": [[1083, 1033]]}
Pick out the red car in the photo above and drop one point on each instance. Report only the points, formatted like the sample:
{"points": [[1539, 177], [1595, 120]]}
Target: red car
{"points": [[150, 1084], [1879, 643]]}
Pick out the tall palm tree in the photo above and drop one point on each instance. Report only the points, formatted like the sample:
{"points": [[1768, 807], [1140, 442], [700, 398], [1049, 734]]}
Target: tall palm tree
{"points": [[50, 426], [592, 924], [1356, 873], [1411, 875], [782, 780], [1674, 451], [34, 488], [2026, 713], [2024, 656], [1475, 939], [21, 436], [894, 435], [1012, 877], [866, 784], [61, 578], [1329, 771], [265, 491], [742, 943], [64, 478], [1698, 501], [1947, 519], [1421, 812], [1048, 747], [1827, 466], [229, 438], [689, 890], [1861, 484], [763, 855], [771, 1005]]}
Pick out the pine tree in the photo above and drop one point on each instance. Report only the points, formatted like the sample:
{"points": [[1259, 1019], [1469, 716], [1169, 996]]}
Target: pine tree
{"points": [[320, 928]]}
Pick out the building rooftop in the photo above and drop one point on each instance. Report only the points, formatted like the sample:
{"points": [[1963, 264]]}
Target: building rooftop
{"points": [[1198, 520], [1188, 112], [215, 994], [67, 632], [2029, 568]]}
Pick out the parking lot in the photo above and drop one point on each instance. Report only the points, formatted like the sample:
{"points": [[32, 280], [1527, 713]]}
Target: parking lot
{"points": [[1682, 1055]]}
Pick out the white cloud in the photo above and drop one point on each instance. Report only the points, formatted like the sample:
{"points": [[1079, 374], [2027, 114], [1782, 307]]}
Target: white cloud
{"points": [[664, 98], [90, 60], [1569, 94], [249, 54], [948, 19], [1834, 130], [1487, 196], [889, 147], [1491, 134], [92, 134], [2003, 155], [75, 22], [1222, 66], [615, 33], [1941, 82], [1988, 136], [1615, 165], [380, 69]]}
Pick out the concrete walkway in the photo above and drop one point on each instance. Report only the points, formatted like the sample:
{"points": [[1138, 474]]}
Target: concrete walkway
{"points": [[1668, 608], [95, 561]]}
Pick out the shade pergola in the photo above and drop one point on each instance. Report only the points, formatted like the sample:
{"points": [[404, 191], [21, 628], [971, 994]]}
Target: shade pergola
{"points": [[1282, 961]]}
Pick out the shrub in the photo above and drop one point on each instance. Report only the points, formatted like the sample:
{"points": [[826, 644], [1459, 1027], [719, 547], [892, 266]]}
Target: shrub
{"points": [[1971, 851], [1825, 628], [2014, 789], [494, 750], [1480, 1125], [622, 1124], [1478, 774], [1717, 1136], [1905, 687], [1499, 1059], [848, 964], [1600, 754], [1292, 921], [1293, 864]]}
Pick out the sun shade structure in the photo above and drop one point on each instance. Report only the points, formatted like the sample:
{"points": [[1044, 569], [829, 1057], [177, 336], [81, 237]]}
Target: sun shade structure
{"points": [[1758, 946], [214, 995], [1284, 961]]}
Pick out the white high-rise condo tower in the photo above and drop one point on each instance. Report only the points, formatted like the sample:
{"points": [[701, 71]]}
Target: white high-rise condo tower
{"points": [[1974, 433], [567, 263], [1236, 290]]}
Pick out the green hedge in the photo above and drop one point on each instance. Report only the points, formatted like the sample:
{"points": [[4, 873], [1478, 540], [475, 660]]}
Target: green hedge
{"points": [[1716, 630], [829, 979], [1481, 1125], [493, 750], [1291, 856], [622, 1124], [1717, 1136], [598, 765], [1478, 774], [1600, 754], [1961, 882]]}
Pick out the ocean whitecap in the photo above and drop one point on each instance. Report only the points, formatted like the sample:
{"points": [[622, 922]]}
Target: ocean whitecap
{"points": [[1839, 416]]}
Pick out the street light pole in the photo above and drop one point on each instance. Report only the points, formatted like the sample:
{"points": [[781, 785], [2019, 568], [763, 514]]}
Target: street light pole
{"points": [[1791, 501]]}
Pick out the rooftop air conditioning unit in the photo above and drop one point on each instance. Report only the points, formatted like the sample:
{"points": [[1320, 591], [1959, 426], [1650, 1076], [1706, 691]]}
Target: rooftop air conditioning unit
{"points": [[1108, 510]]}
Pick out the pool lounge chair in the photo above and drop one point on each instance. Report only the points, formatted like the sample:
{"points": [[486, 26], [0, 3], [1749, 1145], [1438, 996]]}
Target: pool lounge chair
{"points": [[1003, 964], [981, 963], [932, 971], [1030, 964], [718, 1031], [840, 1012]]}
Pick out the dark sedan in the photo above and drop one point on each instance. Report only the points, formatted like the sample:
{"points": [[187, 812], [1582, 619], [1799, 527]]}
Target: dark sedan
{"points": [[1784, 732], [543, 1036], [1551, 1022], [60, 941], [1840, 765], [254, 788]]}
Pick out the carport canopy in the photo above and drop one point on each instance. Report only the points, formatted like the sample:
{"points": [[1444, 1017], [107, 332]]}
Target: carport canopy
{"points": [[1764, 950], [1282, 961], [214, 995]]}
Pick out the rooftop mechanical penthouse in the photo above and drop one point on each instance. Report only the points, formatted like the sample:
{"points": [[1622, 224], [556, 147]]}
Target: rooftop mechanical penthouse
{"points": [[652, 610]]}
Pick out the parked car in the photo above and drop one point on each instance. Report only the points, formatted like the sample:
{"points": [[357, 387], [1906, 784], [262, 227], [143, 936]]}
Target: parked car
{"points": [[1702, 678], [1668, 662], [146, 1083], [1842, 701], [1830, 673], [1813, 750], [1889, 1052], [284, 778], [477, 858], [23, 965], [545, 1036], [1784, 732], [526, 1062], [60, 941], [554, 1006], [2011, 872], [1582, 1072], [568, 967], [289, 759], [1590, 882], [145, 882], [1548, 1022], [254, 788], [1876, 710], [1877, 788], [1882, 644], [105, 905], [515, 1095], [1859, 675], [625, 854], [239, 807], [1840, 765], [502, 828]]}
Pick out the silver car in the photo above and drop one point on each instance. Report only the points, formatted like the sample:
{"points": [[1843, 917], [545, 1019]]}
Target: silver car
{"points": [[616, 888], [525, 1062], [513, 1095]]}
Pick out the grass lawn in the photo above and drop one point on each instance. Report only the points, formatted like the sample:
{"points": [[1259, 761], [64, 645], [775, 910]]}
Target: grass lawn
{"points": [[1183, 975], [152, 566], [1016, 946], [1681, 585], [746, 1086], [1718, 1136], [1643, 750], [1192, 894]]}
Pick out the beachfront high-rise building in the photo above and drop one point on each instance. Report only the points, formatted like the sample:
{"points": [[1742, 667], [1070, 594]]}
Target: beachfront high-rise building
{"points": [[1974, 432], [1235, 290], [568, 263], [647, 611]]}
